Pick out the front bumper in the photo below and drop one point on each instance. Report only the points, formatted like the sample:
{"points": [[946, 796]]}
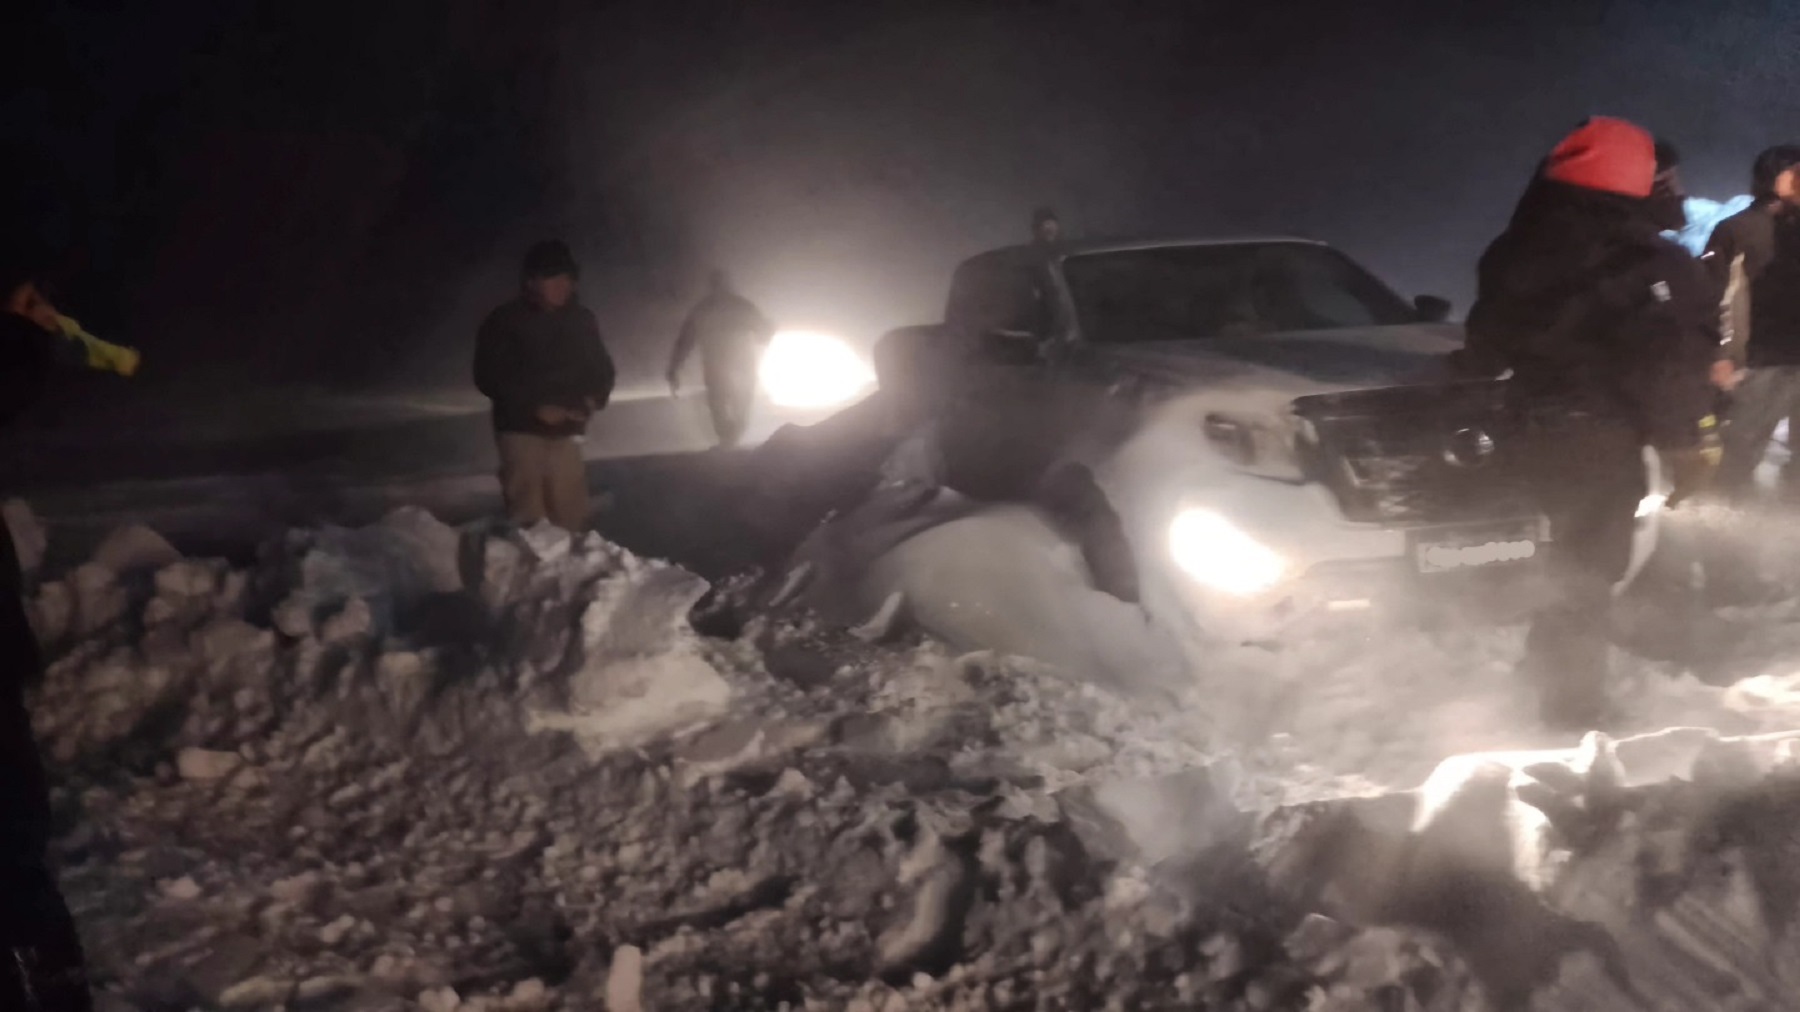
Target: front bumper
{"points": [[1416, 587]]}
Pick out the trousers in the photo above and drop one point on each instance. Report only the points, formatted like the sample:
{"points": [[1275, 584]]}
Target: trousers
{"points": [[543, 478]]}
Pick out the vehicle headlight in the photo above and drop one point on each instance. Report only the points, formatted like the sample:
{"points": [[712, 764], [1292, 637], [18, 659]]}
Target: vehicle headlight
{"points": [[804, 369], [1215, 553]]}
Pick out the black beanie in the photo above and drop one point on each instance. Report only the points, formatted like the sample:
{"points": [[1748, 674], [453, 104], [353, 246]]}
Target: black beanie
{"points": [[549, 259], [1769, 166], [1043, 214]]}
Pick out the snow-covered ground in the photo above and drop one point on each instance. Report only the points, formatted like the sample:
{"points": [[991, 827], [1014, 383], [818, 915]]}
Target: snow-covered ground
{"points": [[416, 766]]}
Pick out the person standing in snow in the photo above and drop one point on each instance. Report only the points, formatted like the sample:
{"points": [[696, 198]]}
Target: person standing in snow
{"points": [[730, 333], [41, 963], [541, 360], [1754, 257], [1610, 332]]}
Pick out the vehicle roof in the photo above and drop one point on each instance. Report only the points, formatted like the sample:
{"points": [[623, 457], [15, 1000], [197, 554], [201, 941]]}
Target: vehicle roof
{"points": [[1080, 247]]}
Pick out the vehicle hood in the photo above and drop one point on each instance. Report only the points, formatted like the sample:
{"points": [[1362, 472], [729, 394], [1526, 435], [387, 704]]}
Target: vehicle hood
{"points": [[1295, 364]]}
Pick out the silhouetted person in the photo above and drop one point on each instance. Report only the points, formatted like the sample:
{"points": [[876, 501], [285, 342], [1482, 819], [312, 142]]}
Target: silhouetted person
{"points": [[1610, 332], [1046, 227], [730, 333], [540, 359], [41, 965], [1755, 258]]}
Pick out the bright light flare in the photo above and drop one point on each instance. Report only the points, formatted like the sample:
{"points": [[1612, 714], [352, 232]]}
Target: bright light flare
{"points": [[806, 369], [1651, 504], [1215, 553]]}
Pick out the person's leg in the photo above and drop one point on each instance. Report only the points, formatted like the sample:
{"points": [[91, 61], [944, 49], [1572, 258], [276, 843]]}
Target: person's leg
{"points": [[41, 964], [522, 480], [1762, 400], [1074, 499], [565, 488], [730, 385], [1589, 481]]}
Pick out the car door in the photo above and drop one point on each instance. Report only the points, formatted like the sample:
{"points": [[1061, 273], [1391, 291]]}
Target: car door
{"points": [[1002, 427]]}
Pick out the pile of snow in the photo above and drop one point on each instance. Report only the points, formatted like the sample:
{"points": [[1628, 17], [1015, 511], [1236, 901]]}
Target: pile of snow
{"points": [[413, 766]]}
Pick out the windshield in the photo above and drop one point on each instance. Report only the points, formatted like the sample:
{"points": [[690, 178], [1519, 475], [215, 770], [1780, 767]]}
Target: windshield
{"points": [[1190, 292]]}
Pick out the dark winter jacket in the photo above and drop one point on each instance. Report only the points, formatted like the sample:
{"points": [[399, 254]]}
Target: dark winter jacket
{"points": [[27, 356], [727, 328], [1592, 310], [527, 357], [1754, 258]]}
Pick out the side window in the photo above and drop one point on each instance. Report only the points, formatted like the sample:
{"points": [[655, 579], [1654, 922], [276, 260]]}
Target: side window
{"points": [[1305, 288], [1000, 293]]}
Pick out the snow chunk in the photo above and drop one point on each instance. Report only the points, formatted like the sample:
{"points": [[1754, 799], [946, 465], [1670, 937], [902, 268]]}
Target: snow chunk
{"points": [[30, 538], [641, 675], [625, 980], [135, 547], [206, 764]]}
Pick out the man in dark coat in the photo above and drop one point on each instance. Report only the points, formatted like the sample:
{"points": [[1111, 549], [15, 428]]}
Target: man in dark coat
{"points": [[730, 333], [1610, 332], [540, 359], [41, 965], [1754, 257]]}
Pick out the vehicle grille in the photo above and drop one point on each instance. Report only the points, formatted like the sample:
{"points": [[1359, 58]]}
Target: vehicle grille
{"points": [[1417, 455]]}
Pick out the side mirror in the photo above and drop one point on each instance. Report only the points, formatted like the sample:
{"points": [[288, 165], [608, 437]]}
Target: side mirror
{"points": [[1432, 308], [1011, 347]]}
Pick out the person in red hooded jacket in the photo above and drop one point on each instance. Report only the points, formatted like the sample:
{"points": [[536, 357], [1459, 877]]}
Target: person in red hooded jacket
{"points": [[1610, 333]]}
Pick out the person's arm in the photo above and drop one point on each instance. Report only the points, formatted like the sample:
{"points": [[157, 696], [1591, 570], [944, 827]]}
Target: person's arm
{"points": [[1668, 338], [684, 347], [601, 373], [762, 329], [496, 371]]}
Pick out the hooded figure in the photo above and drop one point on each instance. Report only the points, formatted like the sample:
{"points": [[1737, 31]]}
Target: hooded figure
{"points": [[1610, 333], [541, 361], [731, 334], [41, 964]]}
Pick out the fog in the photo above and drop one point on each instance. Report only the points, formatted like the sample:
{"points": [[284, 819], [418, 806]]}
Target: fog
{"points": [[265, 192]]}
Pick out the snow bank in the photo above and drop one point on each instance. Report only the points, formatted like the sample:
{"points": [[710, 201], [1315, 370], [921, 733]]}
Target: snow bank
{"points": [[419, 767]]}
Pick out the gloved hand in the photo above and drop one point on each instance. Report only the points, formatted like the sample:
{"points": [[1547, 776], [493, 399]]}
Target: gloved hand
{"points": [[1691, 469]]}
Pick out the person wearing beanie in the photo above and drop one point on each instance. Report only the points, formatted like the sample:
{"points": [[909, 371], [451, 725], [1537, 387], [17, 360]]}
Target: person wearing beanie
{"points": [[41, 963], [1046, 227], [541, 361], [1609, 333], [730, 333], [1754, 257]]}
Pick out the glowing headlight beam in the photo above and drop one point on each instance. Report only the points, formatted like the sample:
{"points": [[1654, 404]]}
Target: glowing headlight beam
{"points": [[1215, 553], [806, 369]]}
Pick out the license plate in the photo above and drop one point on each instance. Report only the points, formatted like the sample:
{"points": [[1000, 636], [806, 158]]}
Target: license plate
{"points": [[1455, 549]]}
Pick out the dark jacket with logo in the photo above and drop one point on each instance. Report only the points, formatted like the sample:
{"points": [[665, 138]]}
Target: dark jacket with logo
{"points": [[1754, 257], [527, 357], [1591, 308]]}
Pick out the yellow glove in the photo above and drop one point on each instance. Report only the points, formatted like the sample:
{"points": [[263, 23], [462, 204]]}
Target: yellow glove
{"points": [[1691, 470], [101, 355]]}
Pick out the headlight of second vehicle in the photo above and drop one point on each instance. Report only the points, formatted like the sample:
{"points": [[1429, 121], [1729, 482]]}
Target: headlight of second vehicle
{"points": [[804, 369], [1215, 553]]}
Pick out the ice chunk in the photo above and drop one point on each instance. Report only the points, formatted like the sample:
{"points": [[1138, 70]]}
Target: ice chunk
{"points": [[30, 539], [135, 547], [206, 764]]}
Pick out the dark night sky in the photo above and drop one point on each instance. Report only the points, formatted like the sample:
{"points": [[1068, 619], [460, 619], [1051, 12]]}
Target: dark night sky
{"points": [[261, 190]]}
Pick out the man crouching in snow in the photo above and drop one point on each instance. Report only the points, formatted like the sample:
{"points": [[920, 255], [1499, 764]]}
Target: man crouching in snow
{"points": [[41, 965], [540, 359], [1610, 333]]}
